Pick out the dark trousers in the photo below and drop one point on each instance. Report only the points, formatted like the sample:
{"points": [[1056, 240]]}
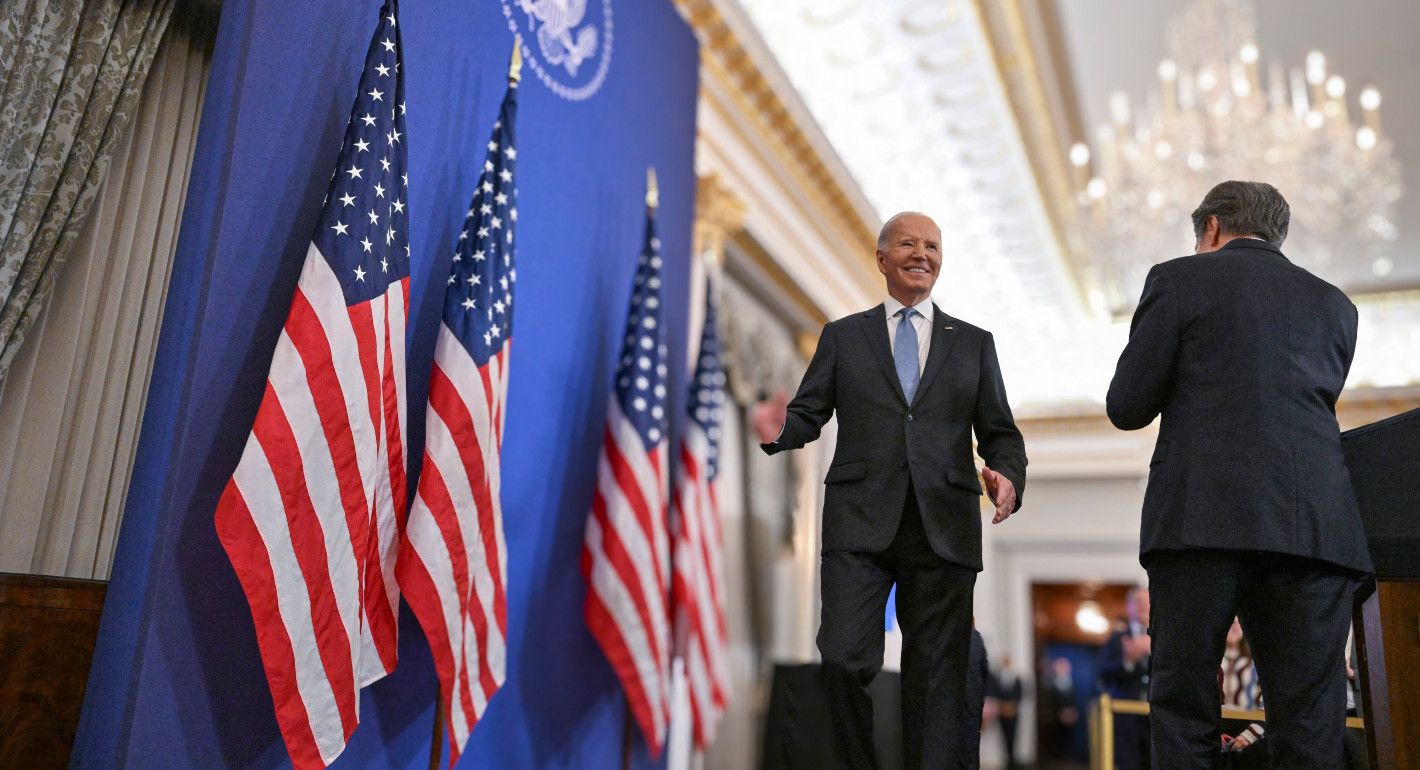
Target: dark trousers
{"points": [[934, 608], [1131, 742], [1008, 735], [1294, 613]]}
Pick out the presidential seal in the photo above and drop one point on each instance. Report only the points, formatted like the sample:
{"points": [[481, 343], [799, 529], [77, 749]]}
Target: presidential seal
{"points": [[566, 42]]}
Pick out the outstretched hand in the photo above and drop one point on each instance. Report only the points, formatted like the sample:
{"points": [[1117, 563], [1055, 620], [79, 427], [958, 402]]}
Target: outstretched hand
{"points": [[1002, 493], [767, 417]]}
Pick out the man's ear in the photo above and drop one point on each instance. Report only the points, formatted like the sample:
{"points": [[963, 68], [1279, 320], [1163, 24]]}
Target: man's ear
{"points": [[1212, 232], [882, 261]]}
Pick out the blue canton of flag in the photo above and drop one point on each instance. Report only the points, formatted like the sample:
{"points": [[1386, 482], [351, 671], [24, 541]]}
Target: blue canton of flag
{"points": [[707, 390], [641, 378], [478, 303], [363, 229]]}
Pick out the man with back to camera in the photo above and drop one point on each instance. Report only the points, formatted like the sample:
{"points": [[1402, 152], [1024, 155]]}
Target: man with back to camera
{"points": [[902, 501], [1249, 508]]}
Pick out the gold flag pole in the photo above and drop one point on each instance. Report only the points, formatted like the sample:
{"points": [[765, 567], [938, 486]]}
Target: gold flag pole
{"points": [[515, 66], [653, 195]]}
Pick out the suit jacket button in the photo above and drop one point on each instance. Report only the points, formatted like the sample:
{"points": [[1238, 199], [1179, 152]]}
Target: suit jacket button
{"points": [[902, 464], [909, 418]]}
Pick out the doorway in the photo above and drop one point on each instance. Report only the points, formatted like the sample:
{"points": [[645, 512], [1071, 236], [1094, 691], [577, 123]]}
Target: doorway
{"points": [[1071, 621]]}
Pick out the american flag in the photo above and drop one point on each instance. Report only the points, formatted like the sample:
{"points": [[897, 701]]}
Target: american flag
{"points": [[453, 563], [697, 593], [312, 515], [626, 552]]}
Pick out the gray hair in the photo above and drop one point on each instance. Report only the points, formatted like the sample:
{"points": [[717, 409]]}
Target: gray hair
{"points": [[893, 220], [1245, 208]]}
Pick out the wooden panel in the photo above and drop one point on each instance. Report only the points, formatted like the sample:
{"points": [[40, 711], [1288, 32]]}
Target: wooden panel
{"points": [[47, 631], [1400, 630], [1388, 648]]}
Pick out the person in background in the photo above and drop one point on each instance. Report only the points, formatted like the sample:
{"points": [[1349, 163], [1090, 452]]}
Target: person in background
{"points": [[1124, 674], [1241, 689], [1057, 694], [1006, 691]]}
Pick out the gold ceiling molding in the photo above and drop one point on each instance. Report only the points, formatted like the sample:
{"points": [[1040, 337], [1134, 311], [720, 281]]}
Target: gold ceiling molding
{"points": [[724, 58], [1023, 83], [719, 215], [785, 287]]}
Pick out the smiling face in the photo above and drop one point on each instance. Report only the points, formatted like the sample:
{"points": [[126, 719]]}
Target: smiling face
{"points": [[910, 256]]}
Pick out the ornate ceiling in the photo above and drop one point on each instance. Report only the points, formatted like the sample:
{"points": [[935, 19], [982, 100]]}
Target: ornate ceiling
{"points": [[964, 109]]}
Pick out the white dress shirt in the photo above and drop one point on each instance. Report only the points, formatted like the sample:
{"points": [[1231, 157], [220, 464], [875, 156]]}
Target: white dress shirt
{"points": [[922, 322]]}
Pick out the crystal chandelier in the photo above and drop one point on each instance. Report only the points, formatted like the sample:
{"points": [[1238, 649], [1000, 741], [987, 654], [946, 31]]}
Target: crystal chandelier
{"points": [[1214, 117]]}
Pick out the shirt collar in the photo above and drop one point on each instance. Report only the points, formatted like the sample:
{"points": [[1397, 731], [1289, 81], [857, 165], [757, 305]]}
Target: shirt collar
{"points": [[892, 307]]}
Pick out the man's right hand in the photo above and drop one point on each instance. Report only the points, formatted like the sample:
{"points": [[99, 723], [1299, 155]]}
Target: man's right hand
{"points": [[767, 418]]}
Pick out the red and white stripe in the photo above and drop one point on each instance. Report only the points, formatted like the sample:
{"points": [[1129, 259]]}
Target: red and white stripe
{"points": [[453, 565], [626, 560], [697, 588], [311, 518]]}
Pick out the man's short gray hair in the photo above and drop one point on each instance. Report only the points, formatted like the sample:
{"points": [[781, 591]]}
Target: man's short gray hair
{"points": [[893, 220], [1245, 208]]}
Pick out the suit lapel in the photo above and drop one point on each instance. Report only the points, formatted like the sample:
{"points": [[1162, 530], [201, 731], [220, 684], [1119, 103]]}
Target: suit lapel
{"points": [[874, 323], [943, 337]]}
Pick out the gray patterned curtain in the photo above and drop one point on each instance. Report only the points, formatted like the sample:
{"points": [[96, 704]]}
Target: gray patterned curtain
{"points": [[71, 73]]}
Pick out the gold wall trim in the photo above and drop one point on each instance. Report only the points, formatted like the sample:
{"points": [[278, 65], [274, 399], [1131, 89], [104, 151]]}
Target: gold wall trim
{"points": [[1357, 407], [725, 58], [785, 287]]}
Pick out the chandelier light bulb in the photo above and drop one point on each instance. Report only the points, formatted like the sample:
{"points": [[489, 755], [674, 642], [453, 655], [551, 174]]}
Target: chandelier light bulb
{"points": [[1366, 138], [1206, 80], [1186, 129], [1382, 267], [1316, 68], [1119, 107], [1079, 155]]}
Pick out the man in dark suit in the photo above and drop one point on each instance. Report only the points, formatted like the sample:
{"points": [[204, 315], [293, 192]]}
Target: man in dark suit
{"points": [[1124, 673], [1249, 508], [909, 385]]}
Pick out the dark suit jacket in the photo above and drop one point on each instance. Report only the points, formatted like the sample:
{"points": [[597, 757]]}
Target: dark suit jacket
{"points": [[1244, 354], [1115, 677], [883, 442]]}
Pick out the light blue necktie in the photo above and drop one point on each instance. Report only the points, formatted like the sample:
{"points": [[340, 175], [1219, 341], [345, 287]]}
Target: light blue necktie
{"points": [[905, 353]]}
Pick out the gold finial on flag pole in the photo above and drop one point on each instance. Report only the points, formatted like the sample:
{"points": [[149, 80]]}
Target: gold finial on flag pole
{"points": [[515, 67], [653, 195]]}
